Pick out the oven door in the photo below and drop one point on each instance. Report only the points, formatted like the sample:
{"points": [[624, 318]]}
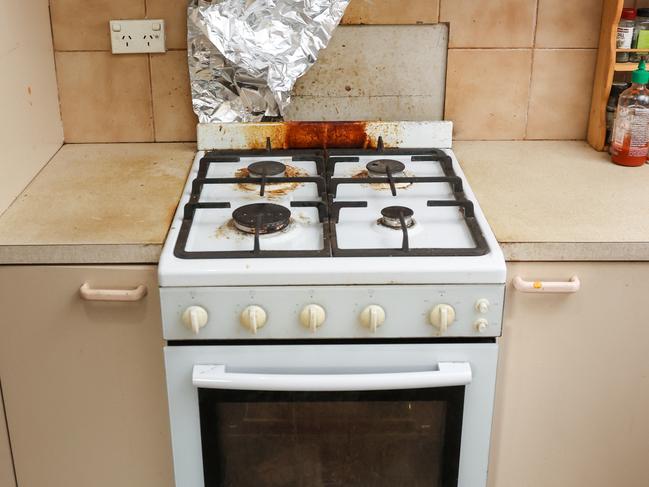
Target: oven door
{"points": [[331, 415]]}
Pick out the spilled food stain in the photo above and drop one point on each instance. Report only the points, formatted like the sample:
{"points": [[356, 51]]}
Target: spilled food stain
{"points": [[273, 190], [302, 218], [364, 173], [227, 230]]}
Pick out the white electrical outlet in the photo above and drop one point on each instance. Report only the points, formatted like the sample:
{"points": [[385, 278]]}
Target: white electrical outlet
{"points": [[137, 36]]}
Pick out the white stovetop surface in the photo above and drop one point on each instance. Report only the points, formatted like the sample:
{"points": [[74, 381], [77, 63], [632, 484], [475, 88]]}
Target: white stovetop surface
{"points": [[435, 227], [212, 229]]}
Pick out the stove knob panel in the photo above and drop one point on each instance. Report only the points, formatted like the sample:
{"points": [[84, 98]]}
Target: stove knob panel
{"points": [[313, 316], [442, 316], [372, 317], [195, 318], [253, 317]]}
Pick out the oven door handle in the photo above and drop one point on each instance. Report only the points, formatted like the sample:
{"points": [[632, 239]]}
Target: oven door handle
{"points": [[217, 377]]}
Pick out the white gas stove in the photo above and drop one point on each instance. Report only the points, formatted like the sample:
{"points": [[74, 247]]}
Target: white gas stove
{"points": [[323, 272]]}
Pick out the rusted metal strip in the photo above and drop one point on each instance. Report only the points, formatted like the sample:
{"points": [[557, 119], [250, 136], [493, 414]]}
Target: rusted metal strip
{"points": [[317, 135]]}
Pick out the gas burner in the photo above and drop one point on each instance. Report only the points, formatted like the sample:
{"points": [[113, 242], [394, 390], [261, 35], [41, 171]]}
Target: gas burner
{"points": [[263, 218], [384, 167], [391, 217], [266, 168]]}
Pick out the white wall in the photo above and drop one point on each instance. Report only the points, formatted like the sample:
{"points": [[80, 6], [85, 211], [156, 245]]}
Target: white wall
{"points": [[30, 122]]}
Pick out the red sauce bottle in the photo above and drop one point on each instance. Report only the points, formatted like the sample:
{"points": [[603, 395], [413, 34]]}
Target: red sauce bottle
{"points": [[630, 137]]}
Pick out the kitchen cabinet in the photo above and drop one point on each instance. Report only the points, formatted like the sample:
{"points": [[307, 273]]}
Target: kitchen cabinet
{"points": [[573, 384], [7, 478], [83, 381]]}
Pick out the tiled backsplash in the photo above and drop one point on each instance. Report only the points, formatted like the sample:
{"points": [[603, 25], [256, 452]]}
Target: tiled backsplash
{"points": [[517, 69]]}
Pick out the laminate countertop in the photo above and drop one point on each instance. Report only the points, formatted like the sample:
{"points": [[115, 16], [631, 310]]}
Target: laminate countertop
{"points": [[559, 200], [545, 200], [96, 204]]}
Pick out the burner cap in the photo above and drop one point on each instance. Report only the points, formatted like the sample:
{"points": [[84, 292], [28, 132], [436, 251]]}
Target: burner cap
{"points": [[390, 216], [381, 166], [271, 218], [266, 168]]}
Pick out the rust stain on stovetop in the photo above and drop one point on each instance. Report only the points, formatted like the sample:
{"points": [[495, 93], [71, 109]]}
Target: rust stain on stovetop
{"points": [[273, 190], [312, 135], [364, 174]]}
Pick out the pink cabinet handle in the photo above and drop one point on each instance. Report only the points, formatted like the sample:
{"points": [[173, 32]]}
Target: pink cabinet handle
{"points": [[90, 294], [571, 286]]}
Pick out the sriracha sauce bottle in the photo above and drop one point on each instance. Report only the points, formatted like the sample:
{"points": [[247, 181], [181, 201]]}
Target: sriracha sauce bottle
{"points": [[630, 138]]}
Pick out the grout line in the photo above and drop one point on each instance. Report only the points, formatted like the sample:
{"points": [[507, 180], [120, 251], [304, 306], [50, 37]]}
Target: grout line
{"points": [[536, 23], [523, 48], [151, 93], [180, 49], [155, 136], [56, 73], [530, 85], [109, 51]]}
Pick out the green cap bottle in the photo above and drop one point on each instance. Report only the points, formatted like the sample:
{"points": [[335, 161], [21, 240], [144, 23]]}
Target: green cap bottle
{"points": [[640, 75]]}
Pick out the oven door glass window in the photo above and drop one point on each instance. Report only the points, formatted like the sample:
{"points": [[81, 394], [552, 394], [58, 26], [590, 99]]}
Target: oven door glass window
{"points": [[326, 439]]}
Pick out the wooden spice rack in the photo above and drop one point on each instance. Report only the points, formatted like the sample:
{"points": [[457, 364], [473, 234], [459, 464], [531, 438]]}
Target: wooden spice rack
{"points": [[605, 70]]}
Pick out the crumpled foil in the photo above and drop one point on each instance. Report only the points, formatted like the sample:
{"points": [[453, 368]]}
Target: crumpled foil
{"points": [[246, 55]]}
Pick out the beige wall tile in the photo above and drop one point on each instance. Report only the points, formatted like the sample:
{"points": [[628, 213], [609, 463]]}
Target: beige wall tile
{"points": [[104, 98], [392, 12], [172, 101], [359, 12], [562, 82], [571, 24], [82, 25], [174, 13], [487, 92], [494, 23]]}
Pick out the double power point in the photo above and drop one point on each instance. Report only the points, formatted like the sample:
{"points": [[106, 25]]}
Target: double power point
{"points": [[137, 36]]}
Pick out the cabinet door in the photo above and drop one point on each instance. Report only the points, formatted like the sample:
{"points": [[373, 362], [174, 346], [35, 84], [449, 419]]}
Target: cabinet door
{"points": [[572, 406], [83, 381], [7, 478]]}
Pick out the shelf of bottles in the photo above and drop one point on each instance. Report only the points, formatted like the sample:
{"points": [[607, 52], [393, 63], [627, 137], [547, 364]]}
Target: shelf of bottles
{"points": [[629, 66]]}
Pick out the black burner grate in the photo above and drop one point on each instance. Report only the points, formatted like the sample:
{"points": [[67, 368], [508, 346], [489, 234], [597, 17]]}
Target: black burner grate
{"points": [[421, 155], [382, 170], [180, 249]]}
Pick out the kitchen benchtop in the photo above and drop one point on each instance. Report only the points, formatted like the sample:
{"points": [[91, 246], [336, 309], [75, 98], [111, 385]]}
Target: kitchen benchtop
{"points": [[113, 203], [97, 203], [559, 200]]}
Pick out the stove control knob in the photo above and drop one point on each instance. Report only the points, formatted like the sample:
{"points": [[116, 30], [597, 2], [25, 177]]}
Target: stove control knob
{"points": [[253, 318], [195, 318], [372, 317], [312, 316], [481, 325], [482, 305], [442, 316]]}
